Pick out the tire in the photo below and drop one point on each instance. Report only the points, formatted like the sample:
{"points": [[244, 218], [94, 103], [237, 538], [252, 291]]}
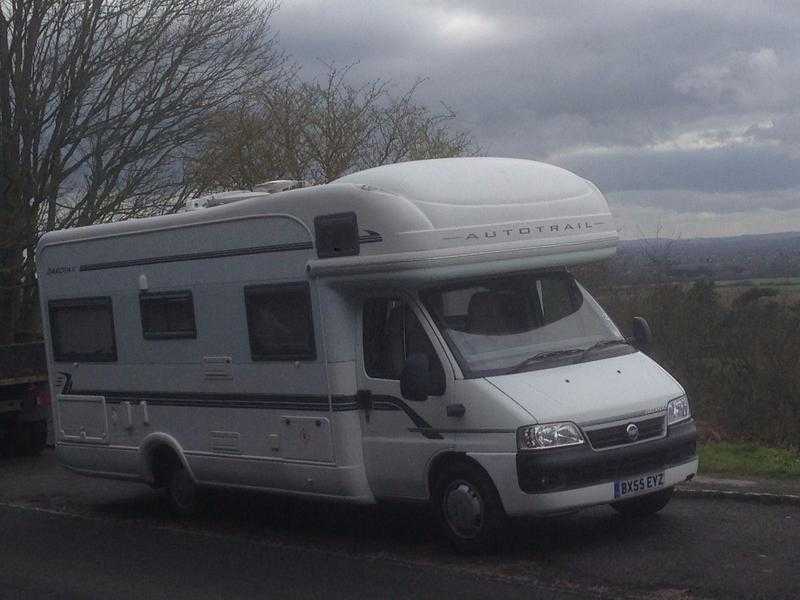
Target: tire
{"points": [[30, 438], [7, 443], [468, 508], [180, 491], [644, 506], [23, 439], [38, 438]]}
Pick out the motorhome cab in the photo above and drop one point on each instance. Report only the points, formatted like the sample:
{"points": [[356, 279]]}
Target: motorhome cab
{"points": [[406, 332]]}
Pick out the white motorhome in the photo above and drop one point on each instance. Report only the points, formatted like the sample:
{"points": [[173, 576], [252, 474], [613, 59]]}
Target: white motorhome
{"points": [[405, 332]]}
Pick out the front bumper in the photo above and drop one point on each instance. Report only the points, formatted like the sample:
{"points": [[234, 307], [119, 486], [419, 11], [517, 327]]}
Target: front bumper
{"points": [[571, 478]]}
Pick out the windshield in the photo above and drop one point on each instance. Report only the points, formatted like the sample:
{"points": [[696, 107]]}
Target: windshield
{"points": [[519, 322]]}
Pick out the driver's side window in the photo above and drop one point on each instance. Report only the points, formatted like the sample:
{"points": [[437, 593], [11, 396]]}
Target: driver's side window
{"points": [[391, 333]]}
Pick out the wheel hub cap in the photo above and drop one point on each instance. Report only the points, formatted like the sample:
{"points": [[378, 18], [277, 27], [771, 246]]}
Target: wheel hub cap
{"points": [[183, 489], [463, 508]]}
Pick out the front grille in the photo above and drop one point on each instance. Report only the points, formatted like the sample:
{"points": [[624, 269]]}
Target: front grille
{"points": [[617, 468], [580, 466], [618, 435]]}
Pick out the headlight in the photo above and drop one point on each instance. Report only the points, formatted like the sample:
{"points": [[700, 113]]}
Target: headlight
{"points": [[548, 435], [678, 410]]}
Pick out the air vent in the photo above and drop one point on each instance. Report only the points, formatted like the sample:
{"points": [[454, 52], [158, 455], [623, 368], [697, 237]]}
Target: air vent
{"points": [[336, 235]]}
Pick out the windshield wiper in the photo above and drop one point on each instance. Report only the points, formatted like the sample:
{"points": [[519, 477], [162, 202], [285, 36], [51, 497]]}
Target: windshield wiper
{"points": [[566, 352], [603, 344], [543, 355]]}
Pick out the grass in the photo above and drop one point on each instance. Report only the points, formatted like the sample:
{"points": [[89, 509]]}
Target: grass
{"points": [[788, 289], [761, 282], [735, 458]]}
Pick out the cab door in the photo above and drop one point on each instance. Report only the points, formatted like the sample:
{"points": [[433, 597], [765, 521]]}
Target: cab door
{"points": [[400, 435]]}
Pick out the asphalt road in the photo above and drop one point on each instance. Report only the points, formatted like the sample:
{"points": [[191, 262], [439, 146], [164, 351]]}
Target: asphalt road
{"points": [[64, 536]]}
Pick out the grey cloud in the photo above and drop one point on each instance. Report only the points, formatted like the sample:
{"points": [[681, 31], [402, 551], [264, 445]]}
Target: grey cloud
{"points": [[756, 79], [784, 129], [730, 169], [694, 201], [549, 79], [646, 221]]}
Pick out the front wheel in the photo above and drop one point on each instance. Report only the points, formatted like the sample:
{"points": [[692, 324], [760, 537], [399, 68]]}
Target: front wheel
{"points": [[644, 505], [469, 508]]}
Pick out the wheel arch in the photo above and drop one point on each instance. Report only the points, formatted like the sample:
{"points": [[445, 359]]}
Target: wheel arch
{"points": [[440, 462], [153, 447]]}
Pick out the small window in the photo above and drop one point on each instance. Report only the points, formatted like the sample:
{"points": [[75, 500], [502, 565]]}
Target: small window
{"points": [[279, 322], [167, 315], [337, 235], [391, 333], [82, 330]]}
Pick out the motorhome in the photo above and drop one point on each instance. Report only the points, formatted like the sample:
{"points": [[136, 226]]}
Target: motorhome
{"points": [[408, 332]]}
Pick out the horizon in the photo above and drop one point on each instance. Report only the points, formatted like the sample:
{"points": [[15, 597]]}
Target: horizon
{"points": [[775, 234]]}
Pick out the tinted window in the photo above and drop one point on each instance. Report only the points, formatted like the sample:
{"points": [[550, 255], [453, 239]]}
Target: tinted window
{"points": [[560, 298], [82, 330], [279, 322], [167, 315], [391, 333], [506, 306], [496, 325]]}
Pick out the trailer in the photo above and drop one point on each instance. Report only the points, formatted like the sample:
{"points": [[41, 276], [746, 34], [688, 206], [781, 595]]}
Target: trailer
{"points": [[24, 398], [410, 332]]}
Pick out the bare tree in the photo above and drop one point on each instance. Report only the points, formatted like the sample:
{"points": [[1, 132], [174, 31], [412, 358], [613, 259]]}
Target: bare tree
{"points": [[99, 101], [254, 141], [659, 253], [321, 130], [407, 130]]}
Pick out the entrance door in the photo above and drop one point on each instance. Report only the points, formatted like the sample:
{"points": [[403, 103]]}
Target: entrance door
{"points": [[400, 435]]}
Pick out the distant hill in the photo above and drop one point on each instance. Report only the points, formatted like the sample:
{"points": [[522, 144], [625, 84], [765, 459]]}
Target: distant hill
{"points": [[740, 257]]}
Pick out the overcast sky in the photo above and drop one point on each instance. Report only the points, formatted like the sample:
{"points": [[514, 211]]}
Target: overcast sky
{"points": [[685, 113]]}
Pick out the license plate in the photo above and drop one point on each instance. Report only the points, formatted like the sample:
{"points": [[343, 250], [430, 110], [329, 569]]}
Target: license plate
{"points": [[638, 485]]}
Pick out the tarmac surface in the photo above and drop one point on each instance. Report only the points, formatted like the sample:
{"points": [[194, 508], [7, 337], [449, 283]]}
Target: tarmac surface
{"points": [[753, 489], [65, 536]]}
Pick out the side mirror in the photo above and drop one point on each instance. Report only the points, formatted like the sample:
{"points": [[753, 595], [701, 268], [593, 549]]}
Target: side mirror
{"points": [[415, 378], [642, 336]]}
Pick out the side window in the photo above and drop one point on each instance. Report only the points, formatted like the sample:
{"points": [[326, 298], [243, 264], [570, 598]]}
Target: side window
{"points": [[391, 333], [559, 298], [82, 330], [279, 322], [167, 315]]}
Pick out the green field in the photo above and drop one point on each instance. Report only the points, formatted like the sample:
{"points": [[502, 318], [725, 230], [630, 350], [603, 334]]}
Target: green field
{"points": [[741, 459], [787, 288], [779, 282]]}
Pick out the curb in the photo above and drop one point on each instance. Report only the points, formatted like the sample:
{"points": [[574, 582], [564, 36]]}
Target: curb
{"points": [[758, 497]]}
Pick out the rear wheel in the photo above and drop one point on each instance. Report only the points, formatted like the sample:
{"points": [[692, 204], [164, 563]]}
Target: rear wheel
{"points": [[7, 441], [469, 508], [30, 438], [180, 490], [38, 437], [644, 505]]}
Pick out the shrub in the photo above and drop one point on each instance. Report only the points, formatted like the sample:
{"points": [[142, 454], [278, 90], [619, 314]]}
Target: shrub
{"points": [[740, 364]]}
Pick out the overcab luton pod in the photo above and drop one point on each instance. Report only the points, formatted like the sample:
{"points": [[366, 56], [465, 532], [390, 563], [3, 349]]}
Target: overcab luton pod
{"points": [[409, 332], [449, 218]]}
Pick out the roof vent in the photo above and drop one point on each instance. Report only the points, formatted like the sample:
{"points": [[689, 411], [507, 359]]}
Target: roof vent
{"points": [[220, 198], [281, 185]]}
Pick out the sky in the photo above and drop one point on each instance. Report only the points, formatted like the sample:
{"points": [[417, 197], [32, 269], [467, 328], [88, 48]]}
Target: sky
{"points": [[685, 113]]}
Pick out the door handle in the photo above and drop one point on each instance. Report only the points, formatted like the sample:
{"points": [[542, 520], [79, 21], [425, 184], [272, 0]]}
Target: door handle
{"points": [[456, 410]]}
